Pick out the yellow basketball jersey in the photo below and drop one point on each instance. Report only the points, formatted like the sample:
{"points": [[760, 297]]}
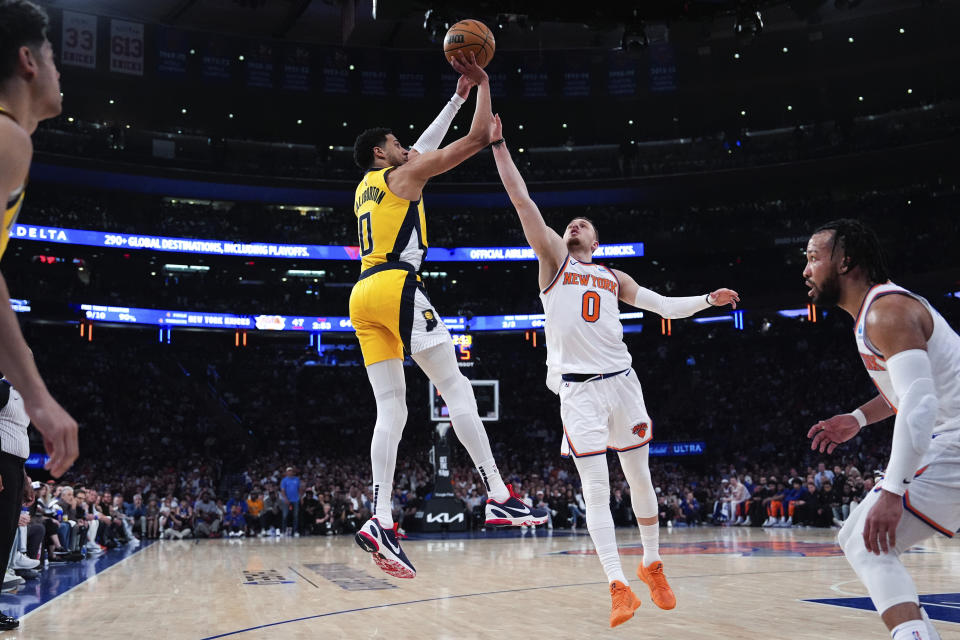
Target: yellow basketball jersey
{"points": [[391, 229], [12, 209]]}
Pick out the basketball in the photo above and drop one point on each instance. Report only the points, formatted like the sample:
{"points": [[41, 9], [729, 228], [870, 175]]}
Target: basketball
{"points": [[470, 35]]}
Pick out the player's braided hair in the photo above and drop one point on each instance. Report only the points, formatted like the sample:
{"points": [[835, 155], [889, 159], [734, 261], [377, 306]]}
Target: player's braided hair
{"points": [[22, 23], [860, 246], [366, 141]]}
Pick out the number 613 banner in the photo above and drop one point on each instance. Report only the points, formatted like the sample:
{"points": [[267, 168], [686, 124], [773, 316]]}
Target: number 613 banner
{"points": [[126, 47]]}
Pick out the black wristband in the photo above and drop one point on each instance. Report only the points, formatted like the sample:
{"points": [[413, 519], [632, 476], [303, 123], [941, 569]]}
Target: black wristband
{"points": [[708, 301], [497, 143]]}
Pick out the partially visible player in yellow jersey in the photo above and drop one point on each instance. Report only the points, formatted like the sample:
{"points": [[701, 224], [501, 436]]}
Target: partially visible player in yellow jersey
{"points": [[392, 314], [29, 93]]}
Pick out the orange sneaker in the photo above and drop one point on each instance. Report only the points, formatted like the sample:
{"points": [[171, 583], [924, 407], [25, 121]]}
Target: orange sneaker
{"points": [[624, 603], [660, 591]]}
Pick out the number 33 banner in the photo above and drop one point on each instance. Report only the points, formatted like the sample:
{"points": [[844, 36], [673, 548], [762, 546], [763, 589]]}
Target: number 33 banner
{"points": [[79, 40], [126, 47]]}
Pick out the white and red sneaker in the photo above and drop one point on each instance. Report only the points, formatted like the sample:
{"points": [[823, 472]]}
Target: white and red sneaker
{"points": [[384, 546], [513, 512]]}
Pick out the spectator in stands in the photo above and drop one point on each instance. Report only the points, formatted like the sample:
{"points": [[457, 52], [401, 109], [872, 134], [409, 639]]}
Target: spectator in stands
{"points": [[235, 523], [272, 512], [134, 516], [208, 516], [739, 501], [619, 508], [47, 511], [254, 513], [795, 496], [577, 508], [721, 506], [290, 492], [823, 475], [179, 522], [475, 507], [773, 504], [166, 507], [310, 510], [152, 519], [540, 502], [689, 509], [325, 522], [237, 499]]}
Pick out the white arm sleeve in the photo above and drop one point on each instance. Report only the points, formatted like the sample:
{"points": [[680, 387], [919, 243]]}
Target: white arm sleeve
{"points": [[433, 135], [669, 307], [916, 416]]}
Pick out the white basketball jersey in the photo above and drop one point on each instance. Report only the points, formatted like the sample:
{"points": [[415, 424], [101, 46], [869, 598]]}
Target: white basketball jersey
{"points": [[583, 329], [943, 349]]}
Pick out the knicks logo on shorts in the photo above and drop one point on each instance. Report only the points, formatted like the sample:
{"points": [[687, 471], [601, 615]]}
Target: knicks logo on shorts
{"points": [[640, 430], [431, 319]]}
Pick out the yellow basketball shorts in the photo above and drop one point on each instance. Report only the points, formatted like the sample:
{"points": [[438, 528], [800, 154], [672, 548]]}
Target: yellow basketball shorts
{"points": [[392, 315]]}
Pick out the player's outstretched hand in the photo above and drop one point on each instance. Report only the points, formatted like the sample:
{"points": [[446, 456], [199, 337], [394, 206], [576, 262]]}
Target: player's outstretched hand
{"points": [[467, 66], [722, 297], [59, 432], [496, 128], [827, 434], [464, 84]]}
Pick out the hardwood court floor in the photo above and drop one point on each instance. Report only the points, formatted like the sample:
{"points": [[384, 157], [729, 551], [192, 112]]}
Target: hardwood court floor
{"points": [[730, 583]]}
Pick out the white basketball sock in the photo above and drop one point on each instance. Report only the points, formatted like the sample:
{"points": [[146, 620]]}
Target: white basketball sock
{"points": [[650, 537], [910, 630], [605, 540], [636, 469], [595, 481], [440, 365], [390, 393]]}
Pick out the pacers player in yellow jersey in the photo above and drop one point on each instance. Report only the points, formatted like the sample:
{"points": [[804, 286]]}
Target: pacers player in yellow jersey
{"points": [[29, 92], [392, 314]]}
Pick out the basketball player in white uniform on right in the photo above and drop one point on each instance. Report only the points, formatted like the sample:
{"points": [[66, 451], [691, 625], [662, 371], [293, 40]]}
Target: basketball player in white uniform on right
{"points": [[588, 365], [913, 357]]}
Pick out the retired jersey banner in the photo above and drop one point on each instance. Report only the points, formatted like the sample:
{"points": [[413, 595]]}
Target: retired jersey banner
{"points": [[79, 45], [334, 72], [621, 75], [126, 47], [215, 63], [296, 68], [172, 47], [260, 66], [663, 68]]}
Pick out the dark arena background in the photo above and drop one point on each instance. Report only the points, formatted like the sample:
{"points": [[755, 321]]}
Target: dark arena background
{"points": [[184, 257]]}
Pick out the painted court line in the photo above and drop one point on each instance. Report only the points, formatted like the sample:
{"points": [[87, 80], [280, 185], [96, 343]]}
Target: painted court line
{"points": [[396, 604], [144, 544], [471, 595], [304, 577]]}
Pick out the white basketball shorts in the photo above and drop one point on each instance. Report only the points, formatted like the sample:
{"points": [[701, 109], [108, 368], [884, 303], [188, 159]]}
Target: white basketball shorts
{"points": [[603, 414]]}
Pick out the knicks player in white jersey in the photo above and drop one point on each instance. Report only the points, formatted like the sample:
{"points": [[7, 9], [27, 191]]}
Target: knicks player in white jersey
{"points": [[588, 365], [913, 357]]}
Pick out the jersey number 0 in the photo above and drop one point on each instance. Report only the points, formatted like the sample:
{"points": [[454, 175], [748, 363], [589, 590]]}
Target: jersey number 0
{"points": [[591, 306], [365, 231]]}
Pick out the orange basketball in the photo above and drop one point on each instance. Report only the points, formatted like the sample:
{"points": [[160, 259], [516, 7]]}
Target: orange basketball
{"points": [[467, 36]]}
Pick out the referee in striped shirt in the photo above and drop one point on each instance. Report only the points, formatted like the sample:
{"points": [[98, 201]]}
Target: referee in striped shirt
{"points": [[14, 483]]}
